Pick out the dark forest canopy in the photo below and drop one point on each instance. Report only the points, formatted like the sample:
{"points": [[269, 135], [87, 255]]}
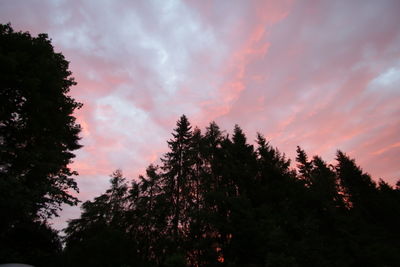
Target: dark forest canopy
{"points": [[216, 200], [38, 134]]}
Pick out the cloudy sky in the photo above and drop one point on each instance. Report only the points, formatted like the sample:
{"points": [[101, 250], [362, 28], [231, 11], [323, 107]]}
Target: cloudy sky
{"points": [[324, 75]]}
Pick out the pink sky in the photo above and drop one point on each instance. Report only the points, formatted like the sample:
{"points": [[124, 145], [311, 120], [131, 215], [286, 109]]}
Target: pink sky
{"points": [[324, 75]]}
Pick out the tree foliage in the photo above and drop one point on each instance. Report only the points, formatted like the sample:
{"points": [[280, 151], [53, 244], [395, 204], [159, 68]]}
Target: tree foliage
{"points": [[217, 200], [38, 134]]}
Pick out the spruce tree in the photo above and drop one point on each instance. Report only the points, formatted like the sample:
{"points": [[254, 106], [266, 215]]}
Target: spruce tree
{"points": [[99, 237], [358, 187], [216, 201], [177, 172], [149, 214], [304, 166]]}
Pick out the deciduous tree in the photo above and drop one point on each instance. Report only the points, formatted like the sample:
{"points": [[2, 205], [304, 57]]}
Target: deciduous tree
{"points": [[38, 132]]}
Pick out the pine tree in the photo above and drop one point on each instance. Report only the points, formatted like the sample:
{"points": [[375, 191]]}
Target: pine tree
{"points": [[99, 237], [325, 183], [304, 166], [177, 172], [273, 165], [216, 201], [147, 214], [213, 194], [358, 187], [108, 209]]}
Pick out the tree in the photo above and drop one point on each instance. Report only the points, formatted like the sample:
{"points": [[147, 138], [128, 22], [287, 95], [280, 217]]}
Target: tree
{"points": [[357, 186], [374, 214], [177, 169], [147, 215], [304, 166], [218, 201], [99, 236], [38, 131]]}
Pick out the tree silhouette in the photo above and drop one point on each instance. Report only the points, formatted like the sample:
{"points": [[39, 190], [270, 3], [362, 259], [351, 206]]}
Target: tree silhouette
{"points": [[219, 201], [177, 167], [38, 134], [99, 237]]}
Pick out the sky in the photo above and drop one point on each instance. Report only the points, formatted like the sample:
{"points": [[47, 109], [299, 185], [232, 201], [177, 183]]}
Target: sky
{"points": [[324, 75]]}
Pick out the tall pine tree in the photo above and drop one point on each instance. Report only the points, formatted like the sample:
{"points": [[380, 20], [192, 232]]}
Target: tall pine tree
{"points": [[177, 172]]}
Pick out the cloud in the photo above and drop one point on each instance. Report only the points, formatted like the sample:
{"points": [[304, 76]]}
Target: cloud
{"points": [[320, 74]]}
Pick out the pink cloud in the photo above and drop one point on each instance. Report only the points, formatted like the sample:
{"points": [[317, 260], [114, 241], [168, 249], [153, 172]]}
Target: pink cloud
{"points": [[386, 149], [308, 73]]}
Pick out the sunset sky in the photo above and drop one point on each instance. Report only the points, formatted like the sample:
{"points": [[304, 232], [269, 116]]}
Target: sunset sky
{"points": [[324, 75]]}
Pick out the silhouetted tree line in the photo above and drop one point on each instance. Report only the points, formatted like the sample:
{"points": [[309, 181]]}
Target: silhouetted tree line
{"points": [[216, 200]]}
